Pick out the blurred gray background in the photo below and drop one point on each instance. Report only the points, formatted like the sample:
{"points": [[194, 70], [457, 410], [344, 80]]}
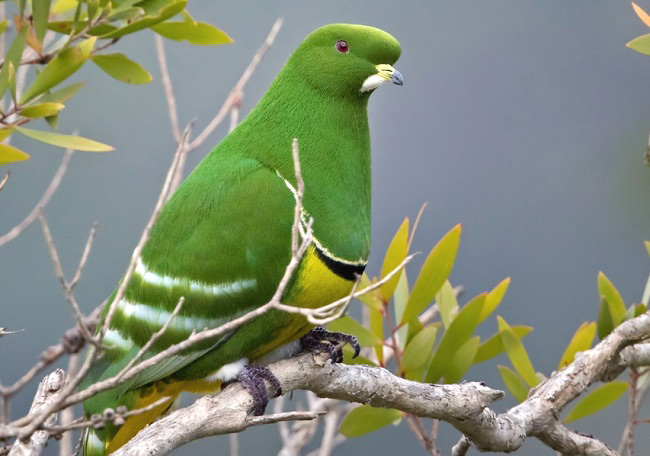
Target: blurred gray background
{"points": [[525, 121]]}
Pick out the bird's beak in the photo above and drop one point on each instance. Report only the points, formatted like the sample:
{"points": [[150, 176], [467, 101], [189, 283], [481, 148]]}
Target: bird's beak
{"points": [[384, 73], [390, 74]]}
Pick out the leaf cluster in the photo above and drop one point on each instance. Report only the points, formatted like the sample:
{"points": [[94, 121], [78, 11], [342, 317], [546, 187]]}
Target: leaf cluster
{"points": [[55, 38], [423, 333]]}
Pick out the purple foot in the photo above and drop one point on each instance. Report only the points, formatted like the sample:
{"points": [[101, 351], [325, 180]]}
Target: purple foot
{"points": [[321, 340]]}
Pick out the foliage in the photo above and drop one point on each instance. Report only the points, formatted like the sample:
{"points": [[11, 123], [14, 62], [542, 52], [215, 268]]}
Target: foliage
{"points": [[54, 39], [423, 334]]}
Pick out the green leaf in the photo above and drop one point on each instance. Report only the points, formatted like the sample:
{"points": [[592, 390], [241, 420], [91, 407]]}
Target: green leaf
{"points": [[647, 246], [349, 325], [640, 44], [126, 14], [494, 298], [149, 20], [400, 298], [59, 69], [434, 273], [395, 254], [597, 400], [121, 68], [66, 141], [419, 349], [365, 419], [198, 33], [605, 321], [581, 341], [609, 292], [62, 95], [462, 360], [40, 14], [494, 345], [13, 56], [53, 121], [348, 359], [377, 330], [41, 110], [67, 27], [459, 331], [3, 26], [514, 383], [370, 298], [640, 309], [9, 154], [447, 303], [517, 353]]}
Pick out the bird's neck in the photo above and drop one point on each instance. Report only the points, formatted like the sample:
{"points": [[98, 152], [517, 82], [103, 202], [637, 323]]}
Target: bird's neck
{"points": [[334, 156]]}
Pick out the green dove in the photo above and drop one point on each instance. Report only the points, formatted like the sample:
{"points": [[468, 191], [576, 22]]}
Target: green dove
{"points": [[223, 241]]}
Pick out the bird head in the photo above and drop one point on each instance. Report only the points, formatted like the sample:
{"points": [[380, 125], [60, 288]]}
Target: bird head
{"points": [[348, 60]]}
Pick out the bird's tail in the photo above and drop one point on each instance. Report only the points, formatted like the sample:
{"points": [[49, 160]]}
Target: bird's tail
{"points": [[104, 441]]}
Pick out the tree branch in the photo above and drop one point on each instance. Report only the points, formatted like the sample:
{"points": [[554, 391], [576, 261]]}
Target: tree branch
{"points": [[228, 411]]}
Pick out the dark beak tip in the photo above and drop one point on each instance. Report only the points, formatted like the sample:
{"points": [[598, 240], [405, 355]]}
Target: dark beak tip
{"points": [[397, 78]]}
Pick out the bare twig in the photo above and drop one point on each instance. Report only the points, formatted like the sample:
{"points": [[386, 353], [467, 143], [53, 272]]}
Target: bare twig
{"points": [[239, 87], [51, 189], [67, 288], [4, 180], [167, 86]]}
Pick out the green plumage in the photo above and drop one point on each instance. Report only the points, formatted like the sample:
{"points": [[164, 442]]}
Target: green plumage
{"points": [[223, 240]]}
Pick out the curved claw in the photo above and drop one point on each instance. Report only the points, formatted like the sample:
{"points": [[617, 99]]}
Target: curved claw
{"points": [[252, 378], [321, 340]]}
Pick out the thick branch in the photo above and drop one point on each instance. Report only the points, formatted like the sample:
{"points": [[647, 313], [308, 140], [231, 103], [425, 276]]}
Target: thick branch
{"points": [[228, 412]]}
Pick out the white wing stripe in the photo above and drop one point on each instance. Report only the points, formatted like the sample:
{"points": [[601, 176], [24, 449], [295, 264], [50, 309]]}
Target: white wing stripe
{"points": [[154, 279]]}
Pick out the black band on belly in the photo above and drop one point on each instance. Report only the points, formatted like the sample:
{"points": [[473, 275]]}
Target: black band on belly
{"points": [[343, 270]]}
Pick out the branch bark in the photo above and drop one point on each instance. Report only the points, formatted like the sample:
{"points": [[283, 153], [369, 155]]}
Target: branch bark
{"points": [[228, 411]]}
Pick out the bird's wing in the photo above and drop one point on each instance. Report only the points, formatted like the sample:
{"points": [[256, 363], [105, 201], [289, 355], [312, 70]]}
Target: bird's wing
{"points": [[222, 242]]}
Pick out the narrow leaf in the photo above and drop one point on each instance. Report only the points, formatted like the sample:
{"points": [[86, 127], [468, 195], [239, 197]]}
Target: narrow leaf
{"points": [[462, 360], [122, 68], [377, 330], [597, 400], [148, 21], [395, 254], [198, 33], [40, 13], [365, 419], [434, 272], [41, 110], [640, 44], [514, 383], [517, 353], [349, 325], [642, 14], [459, 331], [66, 141], [605, 321], [581, 341], [9, 154], [608, 291], [494, 345], [419, 349], [59, 69], [447, 303], [494, 298], [13, 56], [62, 95]]}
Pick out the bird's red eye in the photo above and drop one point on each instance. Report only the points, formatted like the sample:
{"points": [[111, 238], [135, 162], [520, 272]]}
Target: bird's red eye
{"points": [[342, 46]]}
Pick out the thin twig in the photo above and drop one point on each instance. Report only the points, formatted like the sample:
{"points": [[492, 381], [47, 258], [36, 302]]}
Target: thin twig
{"points": [[33, 215], [7, 174], [167, 86], [67, 289], [239, 87]]}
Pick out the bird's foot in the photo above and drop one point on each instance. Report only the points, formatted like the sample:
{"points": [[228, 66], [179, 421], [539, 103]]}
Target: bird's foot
{"points": [[321, 340], [252, 378]]}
